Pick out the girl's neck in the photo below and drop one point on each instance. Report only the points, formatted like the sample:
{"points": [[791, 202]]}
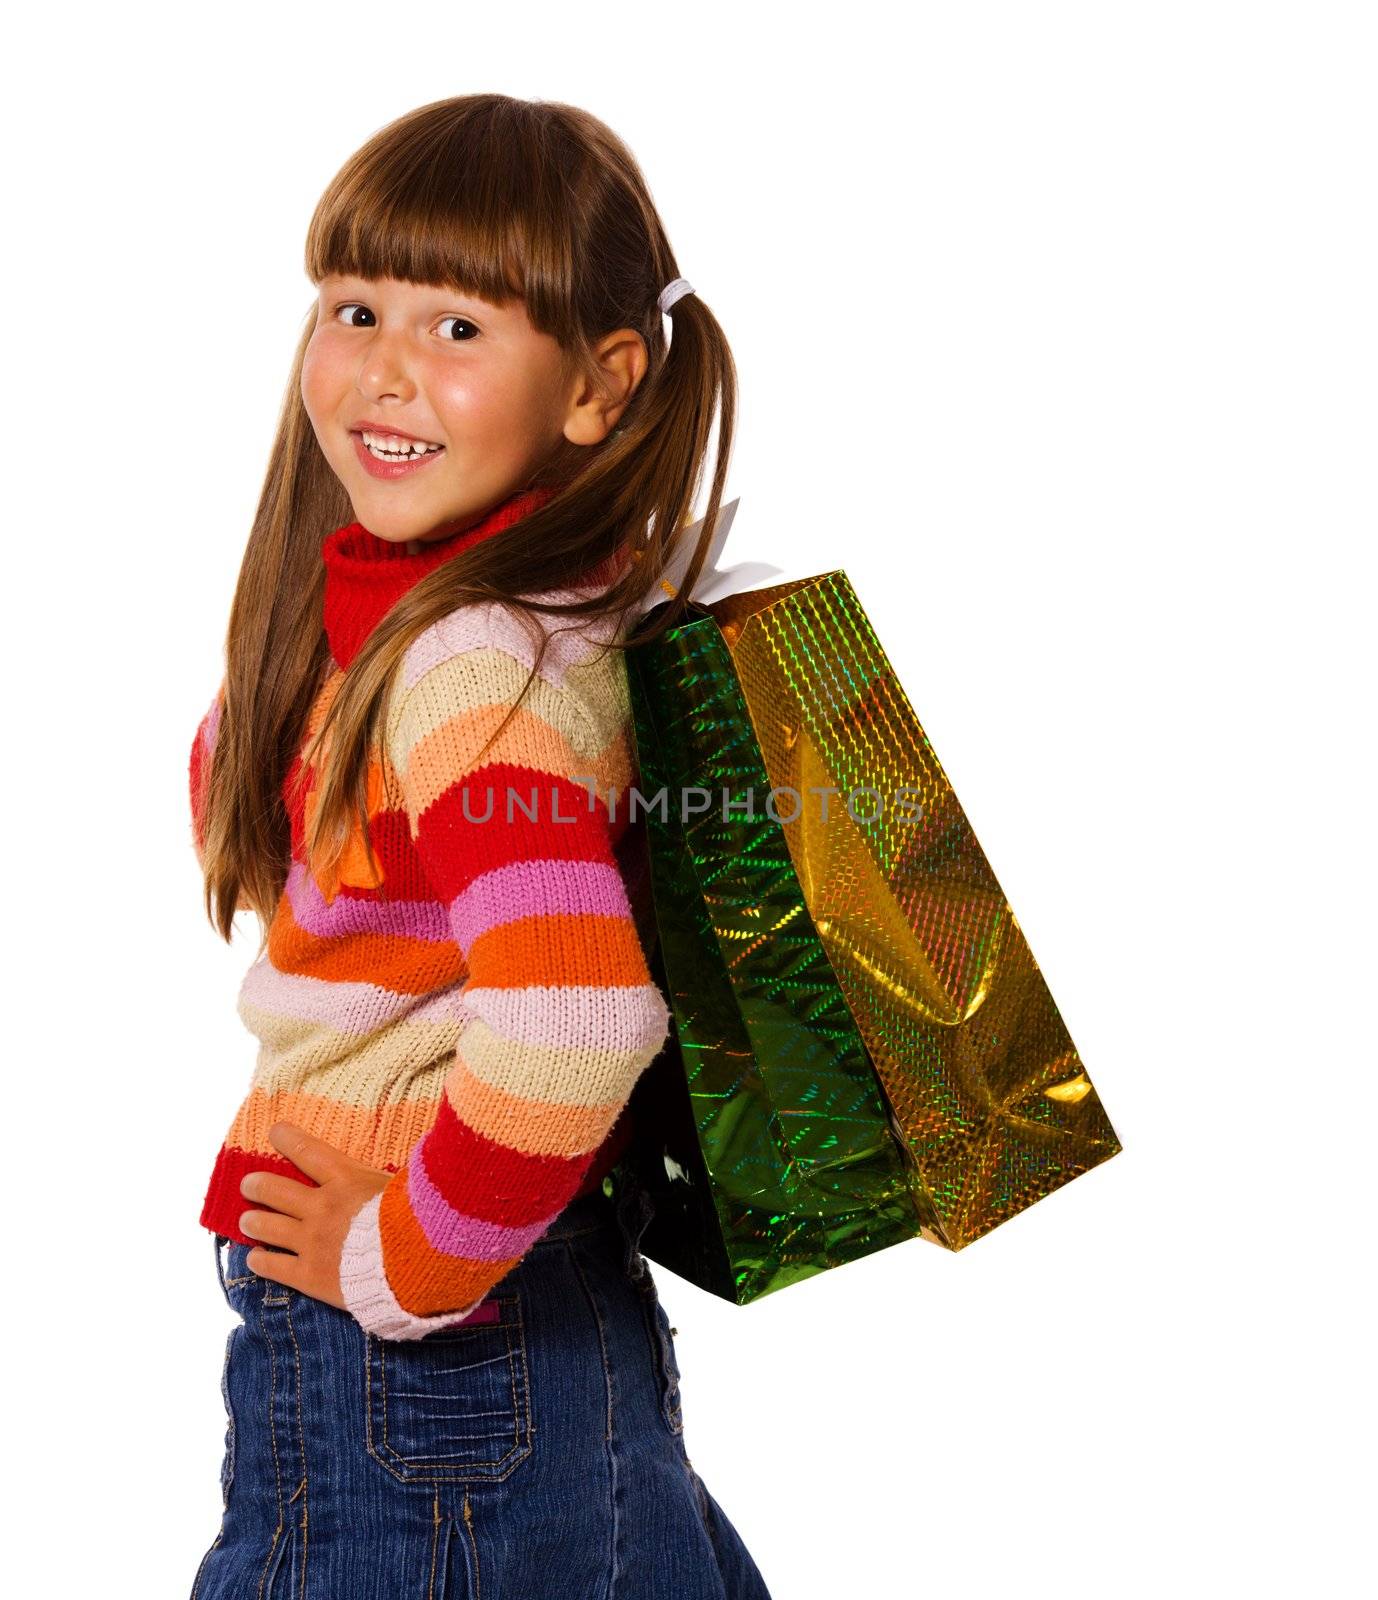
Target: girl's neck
{"points": [[365, 576]]}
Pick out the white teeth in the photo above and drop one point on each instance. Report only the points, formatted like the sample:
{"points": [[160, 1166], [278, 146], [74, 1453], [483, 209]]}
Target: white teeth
{"points": [[388, 447]]}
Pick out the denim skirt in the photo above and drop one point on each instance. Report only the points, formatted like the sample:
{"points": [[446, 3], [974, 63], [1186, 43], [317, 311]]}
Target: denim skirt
{"points": [[536, 1450]]}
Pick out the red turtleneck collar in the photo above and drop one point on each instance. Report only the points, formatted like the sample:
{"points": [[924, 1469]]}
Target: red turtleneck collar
{"points": [[366, 576]]}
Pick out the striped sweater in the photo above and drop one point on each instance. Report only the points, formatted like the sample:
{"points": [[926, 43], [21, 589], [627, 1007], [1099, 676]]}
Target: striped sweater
{"points": [[476, 1033]]}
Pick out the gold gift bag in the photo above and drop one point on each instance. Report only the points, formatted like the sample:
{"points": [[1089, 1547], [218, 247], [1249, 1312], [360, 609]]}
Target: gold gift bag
{"points": [[984, 1082]]}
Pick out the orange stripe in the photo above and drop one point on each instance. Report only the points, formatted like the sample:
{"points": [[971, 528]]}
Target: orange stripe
{"points": [[438, 758], [531, 1125], [613, 770], [424, 1281], [569, 948], [380, 1136], [387, 960]]}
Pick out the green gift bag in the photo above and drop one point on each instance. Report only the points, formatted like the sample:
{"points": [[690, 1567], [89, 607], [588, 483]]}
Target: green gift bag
{"points": [[770, 1154]]}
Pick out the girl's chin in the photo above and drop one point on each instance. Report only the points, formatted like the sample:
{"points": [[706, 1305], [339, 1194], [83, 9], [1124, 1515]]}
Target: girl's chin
{"points": [[388, 518]]}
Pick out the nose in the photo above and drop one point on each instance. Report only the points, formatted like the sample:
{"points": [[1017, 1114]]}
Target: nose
{"points": [[384, 371]]}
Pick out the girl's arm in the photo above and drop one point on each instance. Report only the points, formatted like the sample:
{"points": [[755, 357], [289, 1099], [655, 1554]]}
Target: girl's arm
{"points": [[562, 1012]]}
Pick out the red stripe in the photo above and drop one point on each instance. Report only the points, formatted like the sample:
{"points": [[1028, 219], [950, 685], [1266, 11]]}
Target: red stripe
{"points": [[390, 832], [492, 1182], [224, 1205], [457, 848]]}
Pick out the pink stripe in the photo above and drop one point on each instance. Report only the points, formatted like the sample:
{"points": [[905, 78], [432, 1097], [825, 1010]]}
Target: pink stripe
{"points": [[353, 1008], [407, 919], [478, 627], [536, 889], [624, 1020], [565, 649], [465, 629], [451, 1232], [212, 721]]}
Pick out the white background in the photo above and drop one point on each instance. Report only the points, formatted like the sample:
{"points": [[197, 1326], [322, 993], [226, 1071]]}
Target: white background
{"points": [[1056, 331]]}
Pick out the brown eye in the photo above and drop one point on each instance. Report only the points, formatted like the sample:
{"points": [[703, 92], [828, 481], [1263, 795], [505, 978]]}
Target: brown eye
{"points": [[464, 322], [351, 307]]}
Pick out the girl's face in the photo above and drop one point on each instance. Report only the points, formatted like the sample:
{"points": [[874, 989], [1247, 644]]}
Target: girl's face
{"points": [[451, 371]]}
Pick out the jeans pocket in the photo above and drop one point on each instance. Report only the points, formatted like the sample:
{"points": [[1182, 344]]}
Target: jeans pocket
{"points": [[455, 1405], [233, 1271]]}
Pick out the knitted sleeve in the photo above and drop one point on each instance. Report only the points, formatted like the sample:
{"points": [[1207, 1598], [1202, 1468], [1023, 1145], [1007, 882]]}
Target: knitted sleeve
{"points": [[560, 1011], [199, 769]]}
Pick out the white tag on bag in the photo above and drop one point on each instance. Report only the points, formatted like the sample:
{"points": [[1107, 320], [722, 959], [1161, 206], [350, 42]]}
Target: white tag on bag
{"points": [[714, 582]]}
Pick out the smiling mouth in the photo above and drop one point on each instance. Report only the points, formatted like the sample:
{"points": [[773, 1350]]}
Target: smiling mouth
{"points": [[391, 447]]}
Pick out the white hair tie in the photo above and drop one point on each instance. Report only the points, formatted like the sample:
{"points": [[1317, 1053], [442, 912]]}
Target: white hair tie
{"points": [[674, 290]]}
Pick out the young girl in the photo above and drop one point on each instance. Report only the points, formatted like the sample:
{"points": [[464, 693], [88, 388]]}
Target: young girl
{"points": [[452, 1375]]}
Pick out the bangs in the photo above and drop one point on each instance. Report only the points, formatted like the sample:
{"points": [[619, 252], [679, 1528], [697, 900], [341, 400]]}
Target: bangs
{"points": [[467, 203]]}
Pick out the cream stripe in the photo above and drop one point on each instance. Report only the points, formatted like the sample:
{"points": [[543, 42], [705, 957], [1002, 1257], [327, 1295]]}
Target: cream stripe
{"points": [[601, 691], [314, 1060], [564, 1075], [463, 683]]}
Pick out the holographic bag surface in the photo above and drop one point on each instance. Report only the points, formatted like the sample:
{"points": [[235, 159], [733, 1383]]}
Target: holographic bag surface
{"points": [[775, 1163], [762, 1132]]}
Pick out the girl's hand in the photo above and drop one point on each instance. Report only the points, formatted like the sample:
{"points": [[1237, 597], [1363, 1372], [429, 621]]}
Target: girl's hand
{"points": [[311, 1223]]}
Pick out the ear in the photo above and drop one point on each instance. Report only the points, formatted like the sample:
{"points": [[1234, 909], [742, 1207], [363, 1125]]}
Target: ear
{"points": [[620, 360]]}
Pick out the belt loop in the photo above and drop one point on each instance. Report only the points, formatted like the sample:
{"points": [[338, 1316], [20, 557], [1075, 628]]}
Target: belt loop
{"points": [[221, 1239]]}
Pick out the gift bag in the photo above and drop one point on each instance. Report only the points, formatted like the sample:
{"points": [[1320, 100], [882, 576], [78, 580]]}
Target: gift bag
{"points": [[833, 833], [763, 1135]]}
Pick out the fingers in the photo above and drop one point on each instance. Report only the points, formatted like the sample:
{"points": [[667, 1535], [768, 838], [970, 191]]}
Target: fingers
{"points": [[271, 1228], [280, 1193], [280, 1268], [313, 1156], [305, 1269]]}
